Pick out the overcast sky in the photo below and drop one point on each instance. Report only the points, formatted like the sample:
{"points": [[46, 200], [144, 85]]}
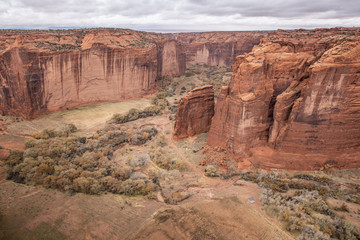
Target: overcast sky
{"points": [[180, 15]]}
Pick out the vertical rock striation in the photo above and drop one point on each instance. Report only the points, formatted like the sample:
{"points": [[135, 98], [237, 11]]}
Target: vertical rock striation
{"points": [[195, 112], [293, 102], [217, 48], [41, 72]]}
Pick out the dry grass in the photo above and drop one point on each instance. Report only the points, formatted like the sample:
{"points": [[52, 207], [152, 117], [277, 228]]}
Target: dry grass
{"points": [[87, 119]]}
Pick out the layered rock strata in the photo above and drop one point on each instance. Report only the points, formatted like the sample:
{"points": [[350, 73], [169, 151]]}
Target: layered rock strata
{"points": [[42, 71], [294, 102], [217, 48], [195, 112]]}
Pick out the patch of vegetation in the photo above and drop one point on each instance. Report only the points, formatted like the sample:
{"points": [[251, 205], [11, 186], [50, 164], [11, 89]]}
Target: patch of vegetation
{"points": [[135, 114], [159, 103], [165, 160], [160, 100], [307, 214], [299, 201], [62, 160], [55, 47], [211, 171], [66, 131]]}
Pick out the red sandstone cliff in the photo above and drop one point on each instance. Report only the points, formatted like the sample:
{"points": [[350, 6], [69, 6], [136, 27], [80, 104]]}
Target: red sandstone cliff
{"points": [[44, 71], [294, 102], [195, 112], [217, 48]]}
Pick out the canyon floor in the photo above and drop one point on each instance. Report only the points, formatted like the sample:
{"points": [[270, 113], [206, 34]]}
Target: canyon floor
{"points": [[213, 208]]}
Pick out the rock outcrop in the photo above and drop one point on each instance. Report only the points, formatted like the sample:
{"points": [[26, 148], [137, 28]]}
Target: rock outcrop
{"points": [[195, 112], [293, 102], [217, 48], [42, 71]]}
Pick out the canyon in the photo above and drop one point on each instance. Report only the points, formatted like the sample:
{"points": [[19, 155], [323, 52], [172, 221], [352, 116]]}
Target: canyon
{"points": [[293, 102], [45, 71], [167, 144], [217, 48]]}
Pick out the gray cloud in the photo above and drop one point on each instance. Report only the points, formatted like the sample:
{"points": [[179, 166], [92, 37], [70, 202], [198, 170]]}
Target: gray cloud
{"points": [[180, 14]]}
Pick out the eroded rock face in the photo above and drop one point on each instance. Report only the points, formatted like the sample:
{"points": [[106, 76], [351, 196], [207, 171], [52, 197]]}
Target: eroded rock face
{"points": [[195, 112], [217, 48], [293, 102], [45, 71]]}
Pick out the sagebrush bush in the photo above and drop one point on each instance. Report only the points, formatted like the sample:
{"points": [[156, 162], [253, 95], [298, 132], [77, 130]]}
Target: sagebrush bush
{"points": [[160, 100], [166, 161], [66, 131], [303, 212], [15, 157], [135, 114], [211, 171]]}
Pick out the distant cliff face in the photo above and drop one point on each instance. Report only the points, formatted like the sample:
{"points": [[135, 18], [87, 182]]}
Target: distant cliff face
{"points": [[195, 112], [49, 71], [217, 48], [293, 102]]}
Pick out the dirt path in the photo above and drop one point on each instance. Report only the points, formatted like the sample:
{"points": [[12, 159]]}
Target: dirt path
{"points": [[248, 190]]}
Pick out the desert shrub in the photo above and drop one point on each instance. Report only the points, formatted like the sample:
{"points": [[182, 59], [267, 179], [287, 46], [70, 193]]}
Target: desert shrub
{"points": [[173, 109], [140, 160], [138, 175], [51, 133], [277, 185], [164, 81], [161, 141], [344, 230], [342, 208], [310, 232], [136, 187], [166, 161], [282, 183], [122, 173], [81, 164], [143, 135], [67, 130], [320, 179], [135, 114], [30, 143], [151, 111], [189, 73], [306, 211], [249, 176], [87, 185], [211, 171], [160, 100], [15, 157], [110, 184], [183, 90]]}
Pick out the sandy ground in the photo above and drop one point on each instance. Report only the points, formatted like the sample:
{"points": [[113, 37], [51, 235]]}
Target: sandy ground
{"points": [[87, 119]]}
